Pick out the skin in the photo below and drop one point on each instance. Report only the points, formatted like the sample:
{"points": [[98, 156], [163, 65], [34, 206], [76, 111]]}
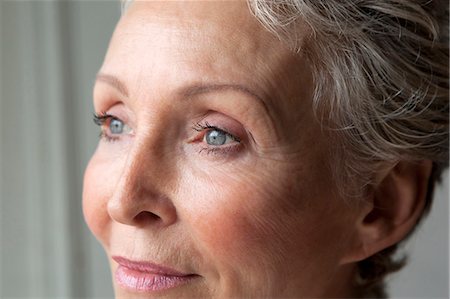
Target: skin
{"points": [[256, 218]]}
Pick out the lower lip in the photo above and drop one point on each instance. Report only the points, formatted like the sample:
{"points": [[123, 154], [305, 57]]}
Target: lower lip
{"points": [[148, 282]]}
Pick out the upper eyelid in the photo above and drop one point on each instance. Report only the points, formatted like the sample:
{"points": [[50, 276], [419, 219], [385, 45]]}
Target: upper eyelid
{"points": [[203, 127], [200, 127], [102, 117]]}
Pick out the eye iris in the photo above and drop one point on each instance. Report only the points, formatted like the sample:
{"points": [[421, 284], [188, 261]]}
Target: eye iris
{"points": [[116, 126], [215, 137]]}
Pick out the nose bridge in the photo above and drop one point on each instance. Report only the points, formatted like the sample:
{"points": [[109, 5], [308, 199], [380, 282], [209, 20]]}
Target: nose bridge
{"points": [[144, 158], [142, 192]]}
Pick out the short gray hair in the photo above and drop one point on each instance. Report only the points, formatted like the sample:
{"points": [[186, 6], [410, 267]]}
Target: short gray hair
{"points": [[381, 80], [381, 77], [381, 74]]}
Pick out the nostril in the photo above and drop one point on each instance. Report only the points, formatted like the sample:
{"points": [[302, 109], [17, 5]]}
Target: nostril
{"points": [[146, 217]]}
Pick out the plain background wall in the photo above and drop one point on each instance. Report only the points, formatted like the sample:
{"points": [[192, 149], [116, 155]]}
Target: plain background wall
{"points": [[49, 55]]}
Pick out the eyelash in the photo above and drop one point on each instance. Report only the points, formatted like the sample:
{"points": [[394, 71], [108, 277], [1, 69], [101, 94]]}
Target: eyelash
{"points": [[104, 118], [217, 150], [100, 120]]}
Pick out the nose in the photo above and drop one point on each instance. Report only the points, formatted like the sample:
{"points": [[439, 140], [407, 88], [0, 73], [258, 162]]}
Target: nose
{"points": [[139, 198]]}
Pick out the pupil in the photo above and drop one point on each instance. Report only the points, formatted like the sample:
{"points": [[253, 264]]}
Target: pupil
{"points": [[216, 137], [116, 126]]}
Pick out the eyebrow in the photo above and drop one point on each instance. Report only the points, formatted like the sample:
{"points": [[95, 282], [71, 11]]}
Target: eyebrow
{"points": [[197, 89], [189, 91], [113, 81]]}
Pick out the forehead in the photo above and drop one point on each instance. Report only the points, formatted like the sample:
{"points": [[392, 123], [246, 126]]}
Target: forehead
{"points": [[176, 43], [195, 20], [214, 30]]}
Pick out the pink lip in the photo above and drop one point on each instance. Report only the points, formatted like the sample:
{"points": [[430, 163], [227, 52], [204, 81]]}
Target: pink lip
{"points": [[148, 277]]}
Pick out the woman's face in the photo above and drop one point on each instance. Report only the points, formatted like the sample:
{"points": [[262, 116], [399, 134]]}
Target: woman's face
{"points": [[211, 177]]}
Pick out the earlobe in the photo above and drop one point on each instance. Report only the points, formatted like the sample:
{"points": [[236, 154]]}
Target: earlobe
{"points": [[393, 208]]}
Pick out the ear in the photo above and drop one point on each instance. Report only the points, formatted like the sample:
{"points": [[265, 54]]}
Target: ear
{"points": [[393, 208]]}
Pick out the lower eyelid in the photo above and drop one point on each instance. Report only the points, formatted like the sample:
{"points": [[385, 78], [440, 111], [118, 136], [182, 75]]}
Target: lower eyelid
{"points": [[106, 137], [219, 151]]}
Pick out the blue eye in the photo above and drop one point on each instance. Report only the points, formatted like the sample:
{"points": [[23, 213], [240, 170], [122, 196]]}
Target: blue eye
{"points": [[116, 126], [217, 141], [111, 127], [216, 137]]}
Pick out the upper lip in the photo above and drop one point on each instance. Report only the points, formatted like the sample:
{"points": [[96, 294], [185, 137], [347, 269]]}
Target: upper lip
{"points": [[148, 267]]}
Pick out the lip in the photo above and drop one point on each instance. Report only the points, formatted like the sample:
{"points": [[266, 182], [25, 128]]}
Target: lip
{"points": [[148, 277]]}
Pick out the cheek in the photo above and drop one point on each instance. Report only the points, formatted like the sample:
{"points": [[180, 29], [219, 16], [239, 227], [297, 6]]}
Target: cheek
{"points": [[240, 216], [254, 220], [95, 193]]}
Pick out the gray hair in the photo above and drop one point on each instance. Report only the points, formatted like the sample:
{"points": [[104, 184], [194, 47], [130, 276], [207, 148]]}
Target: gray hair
{"points": [[380, 70], [381, 83], [381, 74]]}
